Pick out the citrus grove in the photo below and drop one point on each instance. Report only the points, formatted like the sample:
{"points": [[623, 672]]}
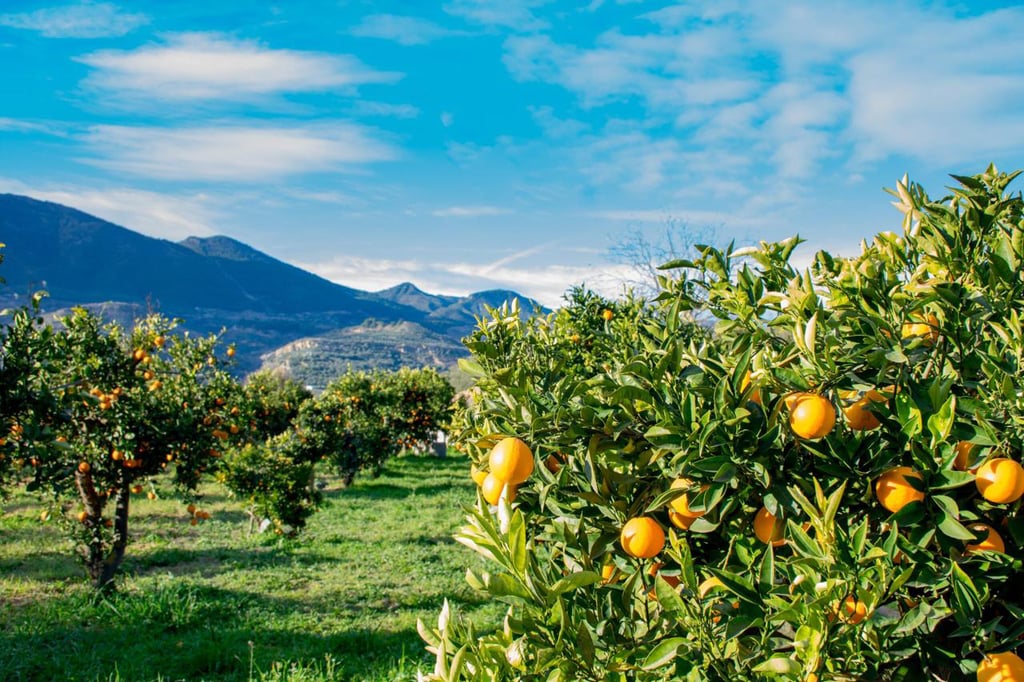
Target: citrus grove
{"points": [[94, 416], [825, 486]]}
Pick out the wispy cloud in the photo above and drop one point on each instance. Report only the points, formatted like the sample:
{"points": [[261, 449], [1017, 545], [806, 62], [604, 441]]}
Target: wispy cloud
{"points": [[516, 15], [169, 216], [797, 87], [82, 20], [469, 211], [367, 109], [545, 283], [235, 153], [203, 66], [403, 30]]}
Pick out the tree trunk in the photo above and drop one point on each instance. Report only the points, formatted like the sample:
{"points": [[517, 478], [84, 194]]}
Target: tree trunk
{"points": [[112, 563], [101, 561]]}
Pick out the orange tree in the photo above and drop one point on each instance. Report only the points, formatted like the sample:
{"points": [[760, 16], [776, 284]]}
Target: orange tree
{"points": [[127, 406], [360, 420], [828, 487]]}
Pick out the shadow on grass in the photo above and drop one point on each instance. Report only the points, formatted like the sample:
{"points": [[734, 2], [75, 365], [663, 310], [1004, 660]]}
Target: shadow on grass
{"points": [[185, 631]]}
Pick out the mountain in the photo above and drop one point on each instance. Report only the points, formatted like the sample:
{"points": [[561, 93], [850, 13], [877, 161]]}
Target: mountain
{"points": [[262, 304]]}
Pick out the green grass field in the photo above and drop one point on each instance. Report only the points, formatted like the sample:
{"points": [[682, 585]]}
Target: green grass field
{"points": [[216, 602]]}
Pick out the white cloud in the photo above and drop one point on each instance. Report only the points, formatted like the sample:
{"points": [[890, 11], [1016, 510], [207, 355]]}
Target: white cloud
{"points": [[82, 20], [364, 108], [402, 29], [516, 15], [545, 283], [782, 92], [167, 216], [234, 153], [203, 66], [469, 211]]}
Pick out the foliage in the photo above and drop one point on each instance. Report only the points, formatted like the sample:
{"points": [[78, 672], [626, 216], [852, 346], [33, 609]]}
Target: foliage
{"points": [[361, 420], [111, 409], [929, 319]]}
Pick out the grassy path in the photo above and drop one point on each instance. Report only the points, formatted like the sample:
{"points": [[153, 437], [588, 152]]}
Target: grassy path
{"points": [[214, 602]]}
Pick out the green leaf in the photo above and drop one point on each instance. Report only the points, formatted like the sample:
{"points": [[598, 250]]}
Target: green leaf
{"points": [[663, 654], [779, 665], [966, 600], [575, 581]]}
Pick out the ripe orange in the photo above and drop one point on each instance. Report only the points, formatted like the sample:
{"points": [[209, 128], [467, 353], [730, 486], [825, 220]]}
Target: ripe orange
{"points": [[84, 467], [136, 489], [191, 509], [609, 574], [894, 492], [492, 487], [151, 495], [477, 475], [965, 457], [83, 516], [853, 611], [511, 461], [926, 327], [769, 529], [858, 414], [117, 455], [811, 416], [1002, 667], [139, 355], [231, 351], [1000, 480], [607, 315], [159, 341], [681, 504], [755, 396], [642, 537], [993, 542], [681, 521]]}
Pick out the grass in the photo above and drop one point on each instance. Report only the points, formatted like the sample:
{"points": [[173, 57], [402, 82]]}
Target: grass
{"points": [[216, 602]]}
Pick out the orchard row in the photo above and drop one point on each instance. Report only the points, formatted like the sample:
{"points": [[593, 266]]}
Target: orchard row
{"points": [[92, 414]]}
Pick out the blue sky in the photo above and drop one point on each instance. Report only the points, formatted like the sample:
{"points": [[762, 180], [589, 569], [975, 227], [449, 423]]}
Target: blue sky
{"points": [[474, 144]]}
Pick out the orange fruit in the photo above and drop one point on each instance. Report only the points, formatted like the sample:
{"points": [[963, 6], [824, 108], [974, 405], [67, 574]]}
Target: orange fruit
{"points": [[151, 495], [607, 315], [811, 416], [84, 467], [681, 504], [159, 341], [1002, 667], [769, 529], [853, 611], [858, 414], [492, 487], [511, 461], [894, 492], [191, 509], [1000, 480], [642, 537], [83, 516], [477, 475], [993, 542], [926, 327], [755, 396], [136, 489], [965, 458], [231, 352], [681, 521], [117, 455], [609, 574]]}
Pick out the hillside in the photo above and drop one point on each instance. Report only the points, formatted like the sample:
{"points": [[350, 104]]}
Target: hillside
{"points": [[218, 283]]}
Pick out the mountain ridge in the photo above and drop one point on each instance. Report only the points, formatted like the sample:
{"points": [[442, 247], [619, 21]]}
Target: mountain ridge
{"points": [[213, 283]]}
